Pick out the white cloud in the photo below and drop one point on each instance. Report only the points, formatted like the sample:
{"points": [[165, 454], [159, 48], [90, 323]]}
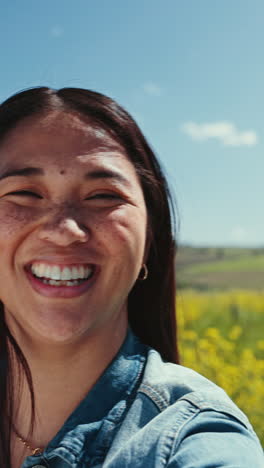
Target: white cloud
{"points": [[56, 31], [226, 132], [243, 236], [239, 234], [152, 89]]}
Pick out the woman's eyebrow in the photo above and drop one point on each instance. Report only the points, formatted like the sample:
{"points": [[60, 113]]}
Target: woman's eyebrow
{"points": [[107, 174], [94, 174], [26, 171]]}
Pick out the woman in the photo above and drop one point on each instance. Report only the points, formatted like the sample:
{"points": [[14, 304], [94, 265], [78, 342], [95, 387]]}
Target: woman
{"points": [[87, 264]]}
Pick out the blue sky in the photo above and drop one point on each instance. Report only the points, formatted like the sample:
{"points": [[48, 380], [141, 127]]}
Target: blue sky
{"points": [[190, 72]]}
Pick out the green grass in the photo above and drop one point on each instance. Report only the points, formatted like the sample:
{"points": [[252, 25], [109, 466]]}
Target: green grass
{"points": [[220, 268], [245, 263]]}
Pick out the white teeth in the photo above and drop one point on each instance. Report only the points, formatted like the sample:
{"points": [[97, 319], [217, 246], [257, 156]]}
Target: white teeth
{"points": [[36, 269], [46, 271], [87, 272], [66, 274], [61, 283], [41, 269], [75, 273], [72, 283], [55, 273]]}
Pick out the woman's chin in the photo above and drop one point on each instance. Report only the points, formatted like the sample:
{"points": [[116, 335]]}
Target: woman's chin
{"points": [[61, 327]]}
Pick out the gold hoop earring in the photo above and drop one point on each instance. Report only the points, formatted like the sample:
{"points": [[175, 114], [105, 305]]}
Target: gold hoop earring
{"points": [[143, 274]]}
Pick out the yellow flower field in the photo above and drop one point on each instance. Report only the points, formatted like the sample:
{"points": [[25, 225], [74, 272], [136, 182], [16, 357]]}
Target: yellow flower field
{"points": [[222, 336]]}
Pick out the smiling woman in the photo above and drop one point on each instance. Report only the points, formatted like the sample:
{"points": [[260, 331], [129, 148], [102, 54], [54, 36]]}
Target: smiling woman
{"points": [[87, 295]]}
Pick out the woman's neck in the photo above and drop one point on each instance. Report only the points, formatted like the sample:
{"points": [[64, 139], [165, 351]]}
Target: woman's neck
{"points": [[62, 376]]}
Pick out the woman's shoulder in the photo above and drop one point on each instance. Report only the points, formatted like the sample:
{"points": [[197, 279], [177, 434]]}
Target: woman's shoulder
{"points": [[179, 418], [166, 384]]}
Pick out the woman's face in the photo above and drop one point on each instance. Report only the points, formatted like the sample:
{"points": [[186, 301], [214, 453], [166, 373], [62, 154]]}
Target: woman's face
{"points": [[73, 227]]}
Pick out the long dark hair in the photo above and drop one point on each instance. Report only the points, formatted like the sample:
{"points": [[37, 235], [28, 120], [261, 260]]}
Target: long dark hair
{"points": [[151, 303]]}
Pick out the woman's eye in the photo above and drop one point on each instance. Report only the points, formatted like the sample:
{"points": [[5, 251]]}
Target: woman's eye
{"points": [[25, 193], [104, 196]]}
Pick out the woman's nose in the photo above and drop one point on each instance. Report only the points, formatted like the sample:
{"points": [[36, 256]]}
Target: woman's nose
{"points": [[64, 232]]}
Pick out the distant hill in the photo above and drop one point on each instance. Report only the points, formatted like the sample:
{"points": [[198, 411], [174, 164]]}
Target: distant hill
{"points": [[220, 268]]}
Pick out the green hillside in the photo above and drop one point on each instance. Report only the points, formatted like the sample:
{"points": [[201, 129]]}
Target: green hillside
{"points": [[220, 268]]}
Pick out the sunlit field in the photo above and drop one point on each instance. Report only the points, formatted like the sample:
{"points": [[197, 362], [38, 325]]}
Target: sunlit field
{"points": [[222, 337]]}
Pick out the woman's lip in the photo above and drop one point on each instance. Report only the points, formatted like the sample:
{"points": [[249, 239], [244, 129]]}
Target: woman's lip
{"points": [[59, 263], [60, 291]]}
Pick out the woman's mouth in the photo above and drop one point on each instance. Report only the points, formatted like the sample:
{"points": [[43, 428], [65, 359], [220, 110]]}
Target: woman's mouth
{"points": [[56, 275], [60, 280]]}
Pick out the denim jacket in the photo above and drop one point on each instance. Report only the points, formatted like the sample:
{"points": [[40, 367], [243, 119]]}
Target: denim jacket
{"points": [[146, 413]]}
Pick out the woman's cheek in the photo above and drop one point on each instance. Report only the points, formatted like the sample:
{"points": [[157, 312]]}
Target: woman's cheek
{"points": [[123, 228], [13, 218]]}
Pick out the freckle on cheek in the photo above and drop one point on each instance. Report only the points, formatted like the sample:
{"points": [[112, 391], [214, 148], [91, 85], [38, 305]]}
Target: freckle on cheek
{"points": [[14, 220]]}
